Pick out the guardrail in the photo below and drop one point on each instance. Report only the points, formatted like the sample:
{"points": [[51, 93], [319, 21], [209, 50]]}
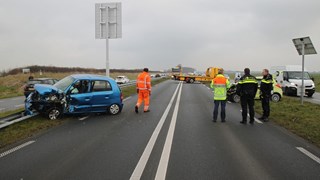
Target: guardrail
{"points": [[14, 118]]}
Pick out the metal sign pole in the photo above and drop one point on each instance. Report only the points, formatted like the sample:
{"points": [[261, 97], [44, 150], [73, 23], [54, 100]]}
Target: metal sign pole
{"points": [[302, 85], [107, 57]]}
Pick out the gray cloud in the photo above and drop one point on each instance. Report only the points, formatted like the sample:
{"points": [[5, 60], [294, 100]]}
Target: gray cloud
{"points": [[160, 34]]}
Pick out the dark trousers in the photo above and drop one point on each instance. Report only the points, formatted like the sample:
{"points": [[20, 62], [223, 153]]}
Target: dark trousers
{"points": [[265, 101], [247, 101], [216, 109]]}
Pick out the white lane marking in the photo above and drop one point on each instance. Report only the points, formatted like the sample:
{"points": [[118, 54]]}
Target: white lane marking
{"points": [[83, 118], [137, 173], [19, 105], [127, 98], [16, 148], [309, 154], [255, 119], [163, 164]]}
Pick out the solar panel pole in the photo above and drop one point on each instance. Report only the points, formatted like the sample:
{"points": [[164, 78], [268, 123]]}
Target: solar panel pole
{"points": [[302, 84]]}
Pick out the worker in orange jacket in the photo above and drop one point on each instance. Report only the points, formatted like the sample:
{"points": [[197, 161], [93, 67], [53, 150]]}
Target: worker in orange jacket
{"points": [[143, 90]]}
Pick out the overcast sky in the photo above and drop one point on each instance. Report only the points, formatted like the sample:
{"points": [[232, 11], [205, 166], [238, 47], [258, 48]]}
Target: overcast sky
{"points": [[160, 34]]}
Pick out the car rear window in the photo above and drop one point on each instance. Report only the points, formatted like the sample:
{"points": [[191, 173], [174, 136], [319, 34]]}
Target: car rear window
{"points": [[98, 86]]}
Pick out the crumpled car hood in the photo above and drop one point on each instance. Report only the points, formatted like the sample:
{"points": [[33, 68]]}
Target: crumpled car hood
{"points": [[45, 89]]}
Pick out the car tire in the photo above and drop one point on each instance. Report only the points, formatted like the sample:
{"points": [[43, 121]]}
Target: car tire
{"points": [[310, 95], [275, 97], [114, 109], [235, 98], [191, 80], [54, 113]]}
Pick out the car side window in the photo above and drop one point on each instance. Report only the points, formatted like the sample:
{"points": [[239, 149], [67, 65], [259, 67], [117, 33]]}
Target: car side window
{"points": [[81, 86], [98, 86]]}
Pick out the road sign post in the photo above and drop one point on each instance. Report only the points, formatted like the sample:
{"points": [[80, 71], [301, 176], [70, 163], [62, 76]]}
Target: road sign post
{"points": [[304, 47], [108, 25]]}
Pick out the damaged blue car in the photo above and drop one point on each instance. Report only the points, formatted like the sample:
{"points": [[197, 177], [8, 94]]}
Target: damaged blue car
{"points": [[76, 94]]}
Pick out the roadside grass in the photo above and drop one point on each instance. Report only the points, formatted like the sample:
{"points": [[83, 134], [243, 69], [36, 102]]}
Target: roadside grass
{"points": [[12, 85], [25, 129], [316, 81], [7, 113], [33, 126], [301, 120]]}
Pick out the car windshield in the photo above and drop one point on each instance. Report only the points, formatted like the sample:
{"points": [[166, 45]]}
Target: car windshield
{"points": [[298, 75], [64, 83], [34, 82]]}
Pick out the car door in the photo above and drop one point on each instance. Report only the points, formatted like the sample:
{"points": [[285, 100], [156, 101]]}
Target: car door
{"points": [[79, 100], [101, 95]]}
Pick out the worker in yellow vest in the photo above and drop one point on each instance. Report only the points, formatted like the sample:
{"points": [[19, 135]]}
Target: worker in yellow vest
{"points": [[220, 85]]}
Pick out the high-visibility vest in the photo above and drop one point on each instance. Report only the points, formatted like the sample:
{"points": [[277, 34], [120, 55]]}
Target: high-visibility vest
{"points": [[144, 81], [220, 84]]}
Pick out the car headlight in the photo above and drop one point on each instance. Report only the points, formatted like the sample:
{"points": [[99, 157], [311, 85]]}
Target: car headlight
{"points": [[312, 85], [293, 84]]}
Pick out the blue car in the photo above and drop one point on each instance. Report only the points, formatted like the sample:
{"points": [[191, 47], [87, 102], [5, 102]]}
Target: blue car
{"points": [[76, 94]]}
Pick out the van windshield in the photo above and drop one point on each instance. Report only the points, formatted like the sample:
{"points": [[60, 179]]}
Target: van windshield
{"points": [[298, 75], [64, 83]]}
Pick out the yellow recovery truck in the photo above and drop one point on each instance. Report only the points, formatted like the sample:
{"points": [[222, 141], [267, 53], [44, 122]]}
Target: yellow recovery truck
{"points": [[211, 73]]}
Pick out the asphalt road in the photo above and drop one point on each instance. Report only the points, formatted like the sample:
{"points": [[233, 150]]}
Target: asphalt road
{"points": [[9, 104], [176, 140]]}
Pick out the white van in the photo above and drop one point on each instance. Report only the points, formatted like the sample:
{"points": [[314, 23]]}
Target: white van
{"points": [[290, 78]]}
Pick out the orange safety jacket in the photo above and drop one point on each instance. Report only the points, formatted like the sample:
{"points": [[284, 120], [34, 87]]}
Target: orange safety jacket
{"points": [[144, 81]]}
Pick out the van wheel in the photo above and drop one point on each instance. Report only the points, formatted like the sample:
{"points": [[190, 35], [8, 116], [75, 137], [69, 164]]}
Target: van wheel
{"points": [[114, 109], [275, 97], [54, 113], [235, 98]]}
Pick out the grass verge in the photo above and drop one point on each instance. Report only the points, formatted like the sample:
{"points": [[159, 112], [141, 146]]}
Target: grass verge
{"points": [[301, 120], [25, 129], [8, 113], [35, 125], [316, 81]]}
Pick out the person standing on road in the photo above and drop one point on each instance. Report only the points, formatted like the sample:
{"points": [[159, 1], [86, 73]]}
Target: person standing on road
{"points": [[220, 84], [247, 89], [144, 90], [266, 88]]}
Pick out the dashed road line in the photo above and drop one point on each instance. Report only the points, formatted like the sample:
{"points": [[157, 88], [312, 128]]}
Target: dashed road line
{"points": [[255, 119], [83, 118], [309, 154], [127, 98], [16, 148]]}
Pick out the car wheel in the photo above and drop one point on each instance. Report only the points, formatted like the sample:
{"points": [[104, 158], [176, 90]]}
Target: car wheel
{"points": [[114, 109], [191, 80], [235, 98], [275, 97], [54, 113], [310, 95]]}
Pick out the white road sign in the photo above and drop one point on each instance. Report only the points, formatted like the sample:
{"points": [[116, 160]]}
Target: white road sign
{"points": [[108, 20]]}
